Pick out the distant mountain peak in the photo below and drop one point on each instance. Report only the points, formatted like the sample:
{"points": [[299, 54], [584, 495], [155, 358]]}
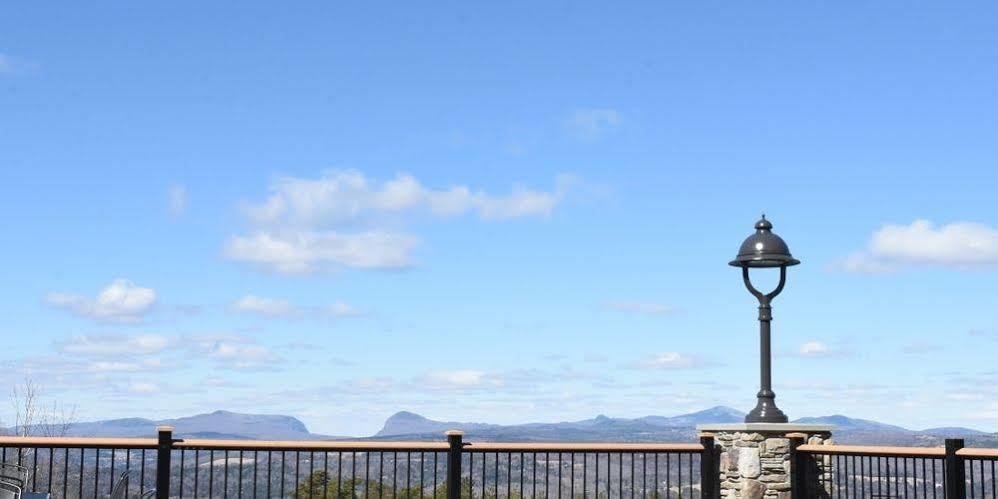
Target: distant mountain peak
{"points": [[407, 415]]}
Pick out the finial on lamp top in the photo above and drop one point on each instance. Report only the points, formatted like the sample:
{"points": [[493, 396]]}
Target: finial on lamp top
{"points": [[763, 224]]}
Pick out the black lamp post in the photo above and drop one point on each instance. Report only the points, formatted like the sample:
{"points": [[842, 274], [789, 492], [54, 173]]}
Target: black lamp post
{"points": [[764, 250]]}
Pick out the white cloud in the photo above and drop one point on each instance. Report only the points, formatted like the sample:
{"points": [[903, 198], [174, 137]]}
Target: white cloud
{"points": [[340, 309], [114, 345], [263, 306], [271, 308], [457, 379], [143, 388], [308, 252], [120, 366], [818, 349], [916, 347], [989, 412], [646, 308], [120, 301], [344, 219], [177, 199], [959, 245], [813, 348], [233, 352], [987, 333], [591, 124], [341, 196], [669, 360]]}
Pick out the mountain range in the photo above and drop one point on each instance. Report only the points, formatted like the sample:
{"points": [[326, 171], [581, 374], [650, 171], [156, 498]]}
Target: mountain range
{"points": [[218, 424], [410, 426]]}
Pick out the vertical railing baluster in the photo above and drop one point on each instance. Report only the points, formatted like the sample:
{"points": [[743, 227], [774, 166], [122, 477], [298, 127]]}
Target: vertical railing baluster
{"points": [[509, 474], [668, 474], [620, 474], [656, 474], [181, 487], [572, 477], [211, 473], [561, 465], [65, 474], [197, 456], [239, 475], [284, 463]]}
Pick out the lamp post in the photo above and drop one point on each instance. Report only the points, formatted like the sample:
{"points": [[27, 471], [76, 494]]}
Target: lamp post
{"points": [[764, 250]]}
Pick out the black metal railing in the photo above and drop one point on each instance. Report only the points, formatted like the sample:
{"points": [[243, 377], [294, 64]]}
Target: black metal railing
{"points": [[214, 468], [76, 467], [949, 472], [585, 470], [90, 467], [980, 470]]}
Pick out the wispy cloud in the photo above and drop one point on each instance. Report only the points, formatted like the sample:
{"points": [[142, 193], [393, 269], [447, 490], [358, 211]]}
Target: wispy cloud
{"points": [[818, 349], [591, 124], [114, 345], [670, 360], [458, 379], [985, 333], [266, 307], [640, 307], [176, 199], [308, 251], [918, 347], [121, 301], [344, 219], [233, 352], [273, 308], [959, 245]]}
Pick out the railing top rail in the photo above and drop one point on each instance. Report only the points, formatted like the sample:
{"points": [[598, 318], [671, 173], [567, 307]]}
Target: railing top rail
{"points": [[307, 445], [344, 446], [79, 442], [874, 450], [973, 452], [579, 447]]}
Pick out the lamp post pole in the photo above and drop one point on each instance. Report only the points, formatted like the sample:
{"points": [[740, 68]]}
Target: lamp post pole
{"points": [[765, 250], [765, 410]]}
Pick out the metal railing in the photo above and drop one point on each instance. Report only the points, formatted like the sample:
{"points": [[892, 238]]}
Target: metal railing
{"points": [[81, 467], [89, 467], [850, 471], [586, 470]]}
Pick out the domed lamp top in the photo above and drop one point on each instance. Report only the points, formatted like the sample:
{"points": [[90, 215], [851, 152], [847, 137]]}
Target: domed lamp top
{"points": [[764, 249]]}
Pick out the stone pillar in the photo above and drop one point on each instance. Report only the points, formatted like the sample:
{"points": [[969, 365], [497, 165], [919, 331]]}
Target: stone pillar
{"points": [[754, 458]]}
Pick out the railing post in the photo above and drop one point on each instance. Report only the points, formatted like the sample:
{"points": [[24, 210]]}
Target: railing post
{"points": [[798, 466], [163, 449], [956, 473], [454, 438], [709, 478]]}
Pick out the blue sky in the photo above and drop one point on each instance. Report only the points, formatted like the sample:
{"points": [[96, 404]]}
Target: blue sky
{"points": [[498, 213]]}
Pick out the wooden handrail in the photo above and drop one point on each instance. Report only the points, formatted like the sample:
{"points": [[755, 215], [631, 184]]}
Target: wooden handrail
{"points": [[307, 445], [342, 446], [973, 452], [579, 447], [79, 442], [874, 450]]}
